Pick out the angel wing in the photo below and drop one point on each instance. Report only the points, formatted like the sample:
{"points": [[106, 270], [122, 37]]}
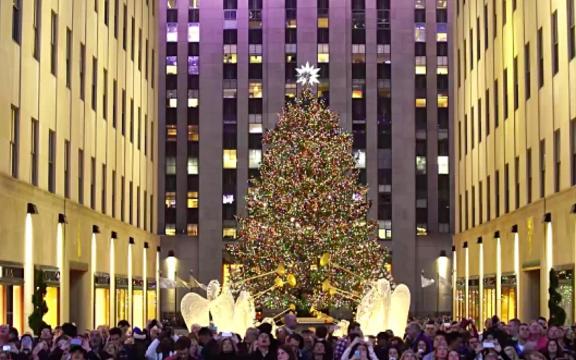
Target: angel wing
{"points": [[244, 312], [222, 310], [398, 310], [195, 310]]}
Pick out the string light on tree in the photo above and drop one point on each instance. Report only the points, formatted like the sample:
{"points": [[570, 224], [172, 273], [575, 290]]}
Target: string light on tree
{"points": [[307, 203]]}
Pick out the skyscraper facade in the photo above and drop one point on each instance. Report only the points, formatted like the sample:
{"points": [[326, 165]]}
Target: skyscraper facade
{"points": [[228, 66], [515, 144], [77, 160]]}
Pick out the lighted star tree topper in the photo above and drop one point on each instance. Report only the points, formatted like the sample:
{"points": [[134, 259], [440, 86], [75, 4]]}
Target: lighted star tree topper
{"points": [[306, 239]]}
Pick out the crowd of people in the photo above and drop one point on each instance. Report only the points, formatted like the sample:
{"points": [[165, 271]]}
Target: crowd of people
{"points": [[423, 340]]}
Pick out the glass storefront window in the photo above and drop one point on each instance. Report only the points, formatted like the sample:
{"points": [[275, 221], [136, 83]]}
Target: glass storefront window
{"points": [[138, 308], [566, 289], [12, 306], [474, 300], [489, 298], [121, 304], [102, 306], [459, 311], [52, 296], [151, 304]]}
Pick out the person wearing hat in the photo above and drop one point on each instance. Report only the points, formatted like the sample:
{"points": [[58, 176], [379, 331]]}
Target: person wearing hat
{"points": [[141, 343]]}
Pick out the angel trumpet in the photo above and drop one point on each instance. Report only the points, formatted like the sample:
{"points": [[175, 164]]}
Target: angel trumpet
{"points": [[325, 260], [332, 290], [291, 307], [278, 283], [280, 270]]}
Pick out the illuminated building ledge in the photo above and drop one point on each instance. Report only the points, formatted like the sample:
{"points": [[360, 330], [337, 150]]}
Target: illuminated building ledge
{"points": [[529, 225], [77, 239]]}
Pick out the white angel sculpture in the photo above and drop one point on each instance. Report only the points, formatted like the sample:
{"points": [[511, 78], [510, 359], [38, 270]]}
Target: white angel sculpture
{"points": [[380, 308], [227, 314]]}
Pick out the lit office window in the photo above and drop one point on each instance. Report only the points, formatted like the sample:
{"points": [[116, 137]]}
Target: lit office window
{"points": [[229, 232], [421, 229], [193, 65], [230, 55], [255, 89], [255, 123], [358, 89], [170, 200], [358, 53], [360, 157], [170, 165], [443, 165], [172, 98], [255, 51], [420, 32], [323, 22], [192, 166], [172, 32], [384, 229], [421, 102], [420, 164], [192, 200], [442, 101], [441, 4], [229, 159], [254, 158], [193, 32], [171, 132], [170, 229], [227, 199], [192, 98], [171, 4], [230, 89], [290, 90], [442, 32], [171, 65], [442, 65], [323, 53], [420, 4], [420, 65], [192, 132], [192, 229]]}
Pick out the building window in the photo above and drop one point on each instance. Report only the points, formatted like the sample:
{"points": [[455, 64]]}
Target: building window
{"points": [[170, 165], [192, 98], [540, 47], [93, 183], [34, 138], [228, 199], [529, 175], [255, 89], [542, 168], [170, 230], [193, 133], [230, 54], [555, 60], [193, 65], [37, 29], [229, 159], [420, 32], [507, 188], [193, 32], [67, 168], [255, 123], [441, 32], [81, 176], [68, 57], [385, 229], [16, 19], [113, 202], [571, 29], [192, 200], [192, 167], [360, 157], [172, 32], [53, 43], [228, 232], [573, 149], [420, 102], [105, 96], [420, 65], [51, 161], [323, 53], [104, 188], [420, 164], [505, 93], [191, 229], [254, 158], [171, 65], [527, 70], [94, 83], [170, 200], [443, 165], [82, 70], [557, 168], [14, 140]]}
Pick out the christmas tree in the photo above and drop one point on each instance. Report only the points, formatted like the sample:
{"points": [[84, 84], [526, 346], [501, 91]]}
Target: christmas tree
{"points": [[306, 239]]}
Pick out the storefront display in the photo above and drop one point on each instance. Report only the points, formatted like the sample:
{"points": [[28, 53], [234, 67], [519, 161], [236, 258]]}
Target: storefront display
{"points": [[101, 299], [474, 300], [566, 289], [12, 296], [459, 311], [121, 298], [52, 280], [508, 298], [151, 300], [138, 303], [488, 297]]}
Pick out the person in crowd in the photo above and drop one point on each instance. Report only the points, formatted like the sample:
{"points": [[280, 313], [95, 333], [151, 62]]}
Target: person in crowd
{"points": [[408, 355], [181, 349], [296, 341], [281, 335], [227, 349], [430, 329], [96, 344], [245, 346], [553, 350], [414, 334], [290, 323], [393, 353], [308, 340], [358, 349], [285, 352], [321, 350], [510, 352], [262, 348], [538, 339], [341, 345]]}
